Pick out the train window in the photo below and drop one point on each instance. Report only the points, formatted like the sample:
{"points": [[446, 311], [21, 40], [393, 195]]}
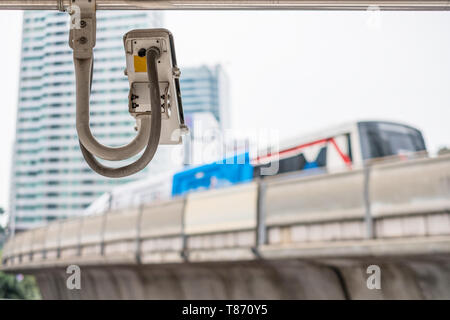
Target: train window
{"points": [[295, 163], [322, 157], [292, 164], [349, 147], [380, 139]]}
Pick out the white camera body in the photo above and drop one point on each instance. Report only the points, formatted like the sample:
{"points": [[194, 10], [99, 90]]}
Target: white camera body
{"points": [[136, 42]]}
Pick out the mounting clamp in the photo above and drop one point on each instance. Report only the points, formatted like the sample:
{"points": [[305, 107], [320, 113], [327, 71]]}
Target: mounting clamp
{"points": [[82, 28]]}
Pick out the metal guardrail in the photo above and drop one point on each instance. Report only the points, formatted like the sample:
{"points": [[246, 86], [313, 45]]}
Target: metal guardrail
{"points": [[232, 4], [409, 198]]}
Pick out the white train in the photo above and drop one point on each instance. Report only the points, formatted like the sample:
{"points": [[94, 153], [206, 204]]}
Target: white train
{"points": [[345, 146], [339, 148]]}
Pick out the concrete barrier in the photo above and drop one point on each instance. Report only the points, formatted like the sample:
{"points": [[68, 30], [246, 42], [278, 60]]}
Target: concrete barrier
{"points": [[52, 241], [161, 232], [221, 223], [221, 210], [331, 197], [410, 199], [15, 250], [70, 238], [38, 246], [419, 186], [300, 210], [24, 249], [162, 219], [91, 238], [120, 235]]}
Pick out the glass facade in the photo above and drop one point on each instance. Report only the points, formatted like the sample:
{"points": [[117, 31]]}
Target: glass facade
{"points": [[205, 89]]}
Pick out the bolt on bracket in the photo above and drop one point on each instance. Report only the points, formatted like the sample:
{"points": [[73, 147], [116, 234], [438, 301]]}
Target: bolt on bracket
{"points": [[83, 24]]}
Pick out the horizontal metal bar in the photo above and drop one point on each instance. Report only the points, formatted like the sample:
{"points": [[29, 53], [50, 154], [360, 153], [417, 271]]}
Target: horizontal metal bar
{"points": [[418, 5]]}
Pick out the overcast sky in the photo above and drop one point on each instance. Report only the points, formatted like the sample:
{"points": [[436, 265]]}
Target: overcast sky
{"points": [[296, 71]]}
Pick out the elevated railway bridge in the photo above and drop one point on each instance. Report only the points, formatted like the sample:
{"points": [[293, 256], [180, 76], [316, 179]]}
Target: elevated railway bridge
{"points": [[285, 237]]}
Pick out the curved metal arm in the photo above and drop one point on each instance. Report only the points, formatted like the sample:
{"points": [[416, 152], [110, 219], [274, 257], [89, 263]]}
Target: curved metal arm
{"points": [[155, 128], [83, 76]]}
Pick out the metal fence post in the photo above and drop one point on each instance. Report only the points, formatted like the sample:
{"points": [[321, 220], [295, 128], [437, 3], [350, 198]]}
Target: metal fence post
{"points": [[368, 219], [102, 235], [261, 232], [58, 245], [184, 247], [79, 236], [138, 231], [105, 216]]}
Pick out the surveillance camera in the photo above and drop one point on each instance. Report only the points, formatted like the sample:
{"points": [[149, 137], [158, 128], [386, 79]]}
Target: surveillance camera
{"points": [[154, 97], [137, 43]]}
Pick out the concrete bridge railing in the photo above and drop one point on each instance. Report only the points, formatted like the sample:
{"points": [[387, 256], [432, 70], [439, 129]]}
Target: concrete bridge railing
{"points": [[396, 200]]}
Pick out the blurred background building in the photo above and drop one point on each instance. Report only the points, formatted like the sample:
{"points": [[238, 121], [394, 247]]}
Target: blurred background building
{"points": [[50, 179], [205, 89]]}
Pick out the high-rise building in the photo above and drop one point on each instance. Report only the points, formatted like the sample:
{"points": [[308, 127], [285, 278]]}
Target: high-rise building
{"points": [[205, 89], [50, 179]]}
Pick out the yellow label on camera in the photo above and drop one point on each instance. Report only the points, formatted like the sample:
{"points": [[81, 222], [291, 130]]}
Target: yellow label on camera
{"points": [[140, 64]]}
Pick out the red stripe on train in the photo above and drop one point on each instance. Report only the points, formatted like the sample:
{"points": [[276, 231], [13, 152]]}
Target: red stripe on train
{"points": [[344, 157]]}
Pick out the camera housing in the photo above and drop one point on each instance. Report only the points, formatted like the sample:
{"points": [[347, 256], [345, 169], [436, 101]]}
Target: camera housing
{"points": [[136, 43]]}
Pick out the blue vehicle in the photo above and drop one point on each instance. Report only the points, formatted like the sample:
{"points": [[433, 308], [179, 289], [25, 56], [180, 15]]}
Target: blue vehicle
{"points": [[215, 175]]}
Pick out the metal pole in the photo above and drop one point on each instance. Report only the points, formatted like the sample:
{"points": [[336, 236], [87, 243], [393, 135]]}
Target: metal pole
{"points": [[184, 246], [260, 230], [419, 5], [368, 218]]}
